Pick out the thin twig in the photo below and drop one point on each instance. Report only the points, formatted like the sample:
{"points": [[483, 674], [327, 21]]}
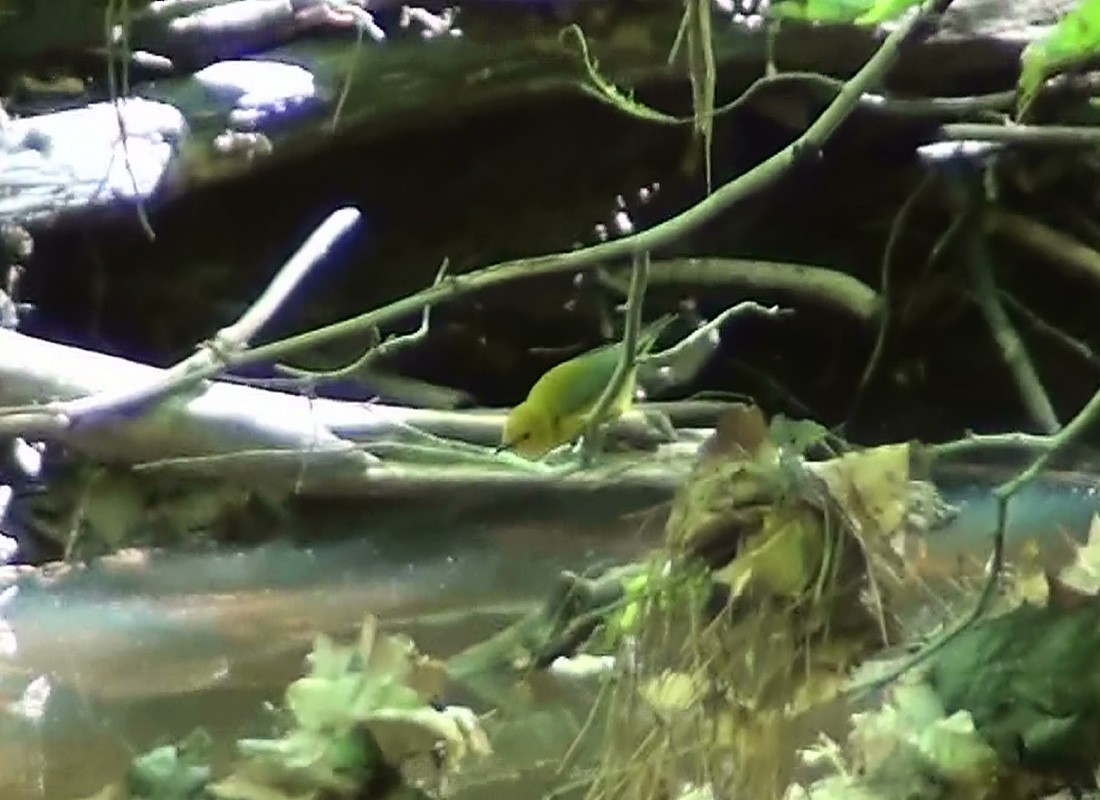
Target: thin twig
{"points": [[744, 307], [703, 74], [1049, 447], [1055, 443], [363, 22], [1058, 442], [1059, 247], [980, 442], [884, 292], [1085, 418], [817, 284], [939, 247], [211, 358], [763, 175], [117, 102], [1046, 328], [301, 263], [943, 242], [986, 106], [211, 361], [1034, 135], [594, 433], [1013, 351], [377, 352]]}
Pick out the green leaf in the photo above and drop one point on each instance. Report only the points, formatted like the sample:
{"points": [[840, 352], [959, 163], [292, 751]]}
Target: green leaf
{"points": [[885, 11], [360, 706], [328, 659], [1075, 37], [171, 772], [316, 753], [301, 766], [323, 703], [831, 11]]}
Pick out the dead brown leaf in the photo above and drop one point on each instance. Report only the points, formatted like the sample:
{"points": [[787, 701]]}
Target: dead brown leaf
{"points": [[872, 487]]}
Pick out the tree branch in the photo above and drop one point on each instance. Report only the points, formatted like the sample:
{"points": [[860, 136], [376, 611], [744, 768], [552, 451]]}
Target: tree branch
{"points": [[808, 145], [1012, 348], [827, 287], [593, 432], [53, 419], [1059, 247]]}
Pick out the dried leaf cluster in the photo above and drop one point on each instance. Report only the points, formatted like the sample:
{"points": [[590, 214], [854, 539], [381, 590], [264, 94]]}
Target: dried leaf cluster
{"points": [[802, 561]]}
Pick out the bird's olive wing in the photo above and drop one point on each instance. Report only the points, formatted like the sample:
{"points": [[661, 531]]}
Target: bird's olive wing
{"points": [[576, 385]]}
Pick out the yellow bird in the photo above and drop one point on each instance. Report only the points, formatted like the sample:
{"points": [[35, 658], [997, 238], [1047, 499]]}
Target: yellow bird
{"points": [[558, 406]]}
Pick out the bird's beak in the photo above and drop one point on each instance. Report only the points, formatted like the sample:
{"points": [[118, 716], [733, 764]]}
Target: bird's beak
{"points": [[503, 447]]}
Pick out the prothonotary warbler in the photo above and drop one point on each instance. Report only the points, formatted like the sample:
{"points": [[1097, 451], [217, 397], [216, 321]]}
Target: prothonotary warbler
{"points": [[558, 406]]}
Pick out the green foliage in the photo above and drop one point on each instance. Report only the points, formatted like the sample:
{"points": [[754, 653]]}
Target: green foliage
{"points": [[172, 772], [362, 709], [1074, 38], [660, 589], [1028, 679], [832, 11], [885, 11], [861, 12], [912, 742], [353, 721]]}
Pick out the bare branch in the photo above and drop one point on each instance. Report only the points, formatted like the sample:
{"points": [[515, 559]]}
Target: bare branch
{"points": [[52, 419], [1012, 347], [593, 433], [821, 285], [1059, 247], [760, 177]]}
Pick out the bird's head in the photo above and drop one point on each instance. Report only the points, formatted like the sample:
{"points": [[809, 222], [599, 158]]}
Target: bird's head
{"points": [[529, 431]]}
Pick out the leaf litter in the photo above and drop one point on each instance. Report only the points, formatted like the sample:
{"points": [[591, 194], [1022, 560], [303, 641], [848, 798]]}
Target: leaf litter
{"points": [[779, 579]]}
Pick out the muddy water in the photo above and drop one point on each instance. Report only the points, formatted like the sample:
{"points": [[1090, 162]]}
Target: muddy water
{"points": [[99, 664]]}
